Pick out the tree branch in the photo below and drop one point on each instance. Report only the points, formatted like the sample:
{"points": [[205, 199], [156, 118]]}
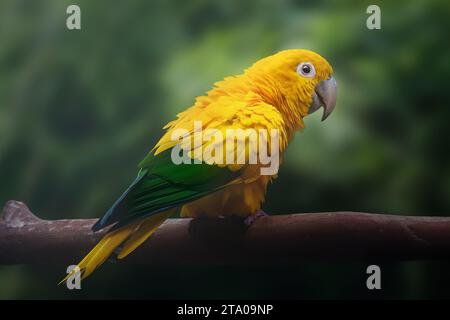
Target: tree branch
{"points": [[281, 239]]}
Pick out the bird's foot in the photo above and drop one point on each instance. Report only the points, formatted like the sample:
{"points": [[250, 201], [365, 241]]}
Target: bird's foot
{"points": [[194, 226], [232, 224], [252, 218]]}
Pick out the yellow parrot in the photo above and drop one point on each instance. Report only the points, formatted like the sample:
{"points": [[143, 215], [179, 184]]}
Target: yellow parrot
{"points": [[275, 93]]}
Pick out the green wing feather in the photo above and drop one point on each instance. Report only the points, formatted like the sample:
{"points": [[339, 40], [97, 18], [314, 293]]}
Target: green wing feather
{"points": [[161, 185]]}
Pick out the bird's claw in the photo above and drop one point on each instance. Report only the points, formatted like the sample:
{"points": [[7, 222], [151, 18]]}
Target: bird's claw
{"points": [[252, 218]]}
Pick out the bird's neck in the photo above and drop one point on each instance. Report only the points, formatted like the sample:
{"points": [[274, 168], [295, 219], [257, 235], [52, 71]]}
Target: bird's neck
{"points": [[287, 101]]}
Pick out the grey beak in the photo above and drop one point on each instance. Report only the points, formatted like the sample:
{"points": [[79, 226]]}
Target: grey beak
{"points": [[324, 96]]}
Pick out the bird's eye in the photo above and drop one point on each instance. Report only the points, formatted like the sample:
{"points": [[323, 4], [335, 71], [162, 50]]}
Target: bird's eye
{"points": [[306, 69]]}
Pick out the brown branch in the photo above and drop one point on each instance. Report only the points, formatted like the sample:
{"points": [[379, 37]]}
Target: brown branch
{"points": [[281, 239]]}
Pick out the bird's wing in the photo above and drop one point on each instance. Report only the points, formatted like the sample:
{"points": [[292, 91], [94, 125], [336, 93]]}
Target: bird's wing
{"points": [[161, 184]]}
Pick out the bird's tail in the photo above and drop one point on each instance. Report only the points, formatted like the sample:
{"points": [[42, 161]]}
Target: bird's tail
{"points": [[131, 236]]}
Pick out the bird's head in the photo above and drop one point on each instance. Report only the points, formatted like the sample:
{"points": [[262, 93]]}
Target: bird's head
{"points": [[298, 82]]}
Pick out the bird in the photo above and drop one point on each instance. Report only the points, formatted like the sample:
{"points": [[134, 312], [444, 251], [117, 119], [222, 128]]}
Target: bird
{"points": [[275, 93]]}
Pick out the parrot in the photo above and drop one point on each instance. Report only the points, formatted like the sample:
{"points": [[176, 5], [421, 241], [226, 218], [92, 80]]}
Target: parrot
{"points": [[276, 92]]}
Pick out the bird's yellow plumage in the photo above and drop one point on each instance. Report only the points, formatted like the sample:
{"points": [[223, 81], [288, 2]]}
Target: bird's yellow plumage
{"points": [[275, 93], [269, 94]]}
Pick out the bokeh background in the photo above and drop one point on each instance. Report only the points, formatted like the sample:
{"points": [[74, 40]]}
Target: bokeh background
{"points": [[79, 110]]}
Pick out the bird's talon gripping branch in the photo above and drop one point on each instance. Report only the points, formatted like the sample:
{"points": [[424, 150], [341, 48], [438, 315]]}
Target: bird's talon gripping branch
{"points": [[207, 229], [252, 218], [194, 227]]}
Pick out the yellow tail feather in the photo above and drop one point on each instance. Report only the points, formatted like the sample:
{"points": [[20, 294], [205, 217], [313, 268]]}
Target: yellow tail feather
{"points": [[136, 233], [145, 230]]}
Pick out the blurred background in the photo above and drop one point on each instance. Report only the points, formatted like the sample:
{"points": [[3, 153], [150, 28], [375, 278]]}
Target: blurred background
{"points": [[80, 109]]}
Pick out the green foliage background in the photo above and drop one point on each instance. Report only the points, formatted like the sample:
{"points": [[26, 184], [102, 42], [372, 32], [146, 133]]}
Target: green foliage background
{"points": [[79, 109]]}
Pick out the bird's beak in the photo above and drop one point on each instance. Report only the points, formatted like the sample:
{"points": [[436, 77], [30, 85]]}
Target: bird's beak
{"points": [[324, 96]]}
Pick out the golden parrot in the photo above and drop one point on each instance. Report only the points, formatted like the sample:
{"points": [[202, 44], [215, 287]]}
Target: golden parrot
{"points": [[272, 95]]}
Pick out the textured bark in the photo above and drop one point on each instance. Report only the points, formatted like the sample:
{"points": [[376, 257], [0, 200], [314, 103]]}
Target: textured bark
{"points": [[282, 239]]}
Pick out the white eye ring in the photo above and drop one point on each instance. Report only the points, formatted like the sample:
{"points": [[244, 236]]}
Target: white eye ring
{"points": [[306, 69]]}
